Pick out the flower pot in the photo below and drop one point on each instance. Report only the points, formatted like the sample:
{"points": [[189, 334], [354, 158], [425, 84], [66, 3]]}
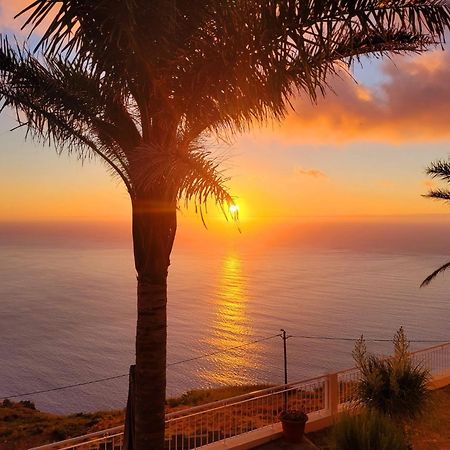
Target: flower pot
{"points": [[293, 430]]}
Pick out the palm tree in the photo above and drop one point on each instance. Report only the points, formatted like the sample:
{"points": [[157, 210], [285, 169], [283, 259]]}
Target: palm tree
{"points": [[142, 84], [440, 170]]}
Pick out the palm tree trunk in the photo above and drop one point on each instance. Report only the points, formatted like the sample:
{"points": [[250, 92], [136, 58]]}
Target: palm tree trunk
{"points": [[150, 392], [154, 226]]}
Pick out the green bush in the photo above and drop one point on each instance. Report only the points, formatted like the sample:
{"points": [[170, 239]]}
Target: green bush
{"points": [[369, 430], [395, 386]]}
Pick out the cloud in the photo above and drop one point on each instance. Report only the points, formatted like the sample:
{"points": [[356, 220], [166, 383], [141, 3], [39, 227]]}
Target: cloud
{"points": [[313, 173], [412, 103], [9, 8]]}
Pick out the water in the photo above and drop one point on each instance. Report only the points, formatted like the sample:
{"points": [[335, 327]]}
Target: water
{"points": [[67, 308]]}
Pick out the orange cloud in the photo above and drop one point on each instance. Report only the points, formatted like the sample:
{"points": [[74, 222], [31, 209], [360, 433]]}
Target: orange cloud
{"points": [[9, 8], [412, 104], [313, 173]]}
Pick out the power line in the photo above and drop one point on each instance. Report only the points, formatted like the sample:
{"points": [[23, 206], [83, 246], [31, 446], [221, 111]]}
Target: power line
{"points": [[224, 350], [65, 387], [99, 380], [339, 338], [206, 355]]}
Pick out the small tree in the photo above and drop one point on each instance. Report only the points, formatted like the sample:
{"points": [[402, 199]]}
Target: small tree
{"points": [[395, 387]]}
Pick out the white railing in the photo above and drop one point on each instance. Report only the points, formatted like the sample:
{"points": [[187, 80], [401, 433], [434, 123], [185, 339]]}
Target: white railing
{"points": [[223, 420], [436, 359], [347, 381], [202, 425]]}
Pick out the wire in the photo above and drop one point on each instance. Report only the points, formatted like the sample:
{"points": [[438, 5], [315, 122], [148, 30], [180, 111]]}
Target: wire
{"points": [[65, 387], [206, 355], [336, 338], [99, 380], [224, 350]]}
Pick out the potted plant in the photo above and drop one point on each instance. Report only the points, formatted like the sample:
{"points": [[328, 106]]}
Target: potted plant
{"points": [[293, 422]]}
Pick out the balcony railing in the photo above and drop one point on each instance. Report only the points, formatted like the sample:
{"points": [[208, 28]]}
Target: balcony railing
{"points": [[202, 425]]}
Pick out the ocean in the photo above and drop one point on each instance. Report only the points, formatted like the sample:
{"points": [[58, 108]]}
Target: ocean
{"points": [[67, 305]]}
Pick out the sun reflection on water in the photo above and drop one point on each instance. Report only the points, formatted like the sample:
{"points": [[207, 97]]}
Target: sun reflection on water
{"points": [[231, 327]]}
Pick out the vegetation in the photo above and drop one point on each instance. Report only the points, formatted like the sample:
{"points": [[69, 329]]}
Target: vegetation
{"points": [[367, 431], [440, 170], [196, 397], [396, 387], [430, 432], [143, 84], [22, 426]]}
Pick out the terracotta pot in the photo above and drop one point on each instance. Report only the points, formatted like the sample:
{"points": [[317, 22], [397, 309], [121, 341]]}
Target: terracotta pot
{"points": [[293, 431]]}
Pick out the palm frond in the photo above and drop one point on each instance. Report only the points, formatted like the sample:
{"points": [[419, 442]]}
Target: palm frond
{"points": [[439, 169], [227, 63], [439, 194], [191, 175], [61, 105], [433, 275]]}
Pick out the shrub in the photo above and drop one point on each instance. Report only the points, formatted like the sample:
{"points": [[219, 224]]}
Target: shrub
{"points": [[393, 386], [7, 403], [369, 430], [28, 404]]}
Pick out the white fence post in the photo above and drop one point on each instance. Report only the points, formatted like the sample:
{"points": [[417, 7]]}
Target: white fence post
{"points": [[333, 393]]}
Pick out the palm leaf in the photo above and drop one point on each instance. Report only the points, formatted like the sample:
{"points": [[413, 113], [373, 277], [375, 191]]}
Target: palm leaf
{"points": [[433, 275], [439, 169], [263, 51], [61, 105], [192, 176], [439, 194]]}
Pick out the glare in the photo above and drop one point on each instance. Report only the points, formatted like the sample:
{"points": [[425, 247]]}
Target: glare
{"points": [[234, 209]]}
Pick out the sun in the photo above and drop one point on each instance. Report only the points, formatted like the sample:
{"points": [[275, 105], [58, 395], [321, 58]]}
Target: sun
{"points": [[234, 209]]}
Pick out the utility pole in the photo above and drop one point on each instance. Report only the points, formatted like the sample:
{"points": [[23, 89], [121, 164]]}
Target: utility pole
{"points": [[285, 337]]}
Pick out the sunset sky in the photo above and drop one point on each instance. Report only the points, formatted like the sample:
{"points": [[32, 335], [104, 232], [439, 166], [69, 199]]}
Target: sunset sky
{"points": [[361, 152]]}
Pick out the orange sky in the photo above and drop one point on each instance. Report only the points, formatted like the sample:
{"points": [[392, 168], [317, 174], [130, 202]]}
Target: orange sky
{"points": [[361, 151]]}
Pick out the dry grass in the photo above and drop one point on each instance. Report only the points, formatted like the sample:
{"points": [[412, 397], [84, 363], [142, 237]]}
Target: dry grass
{"points": [[22, 427]]}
